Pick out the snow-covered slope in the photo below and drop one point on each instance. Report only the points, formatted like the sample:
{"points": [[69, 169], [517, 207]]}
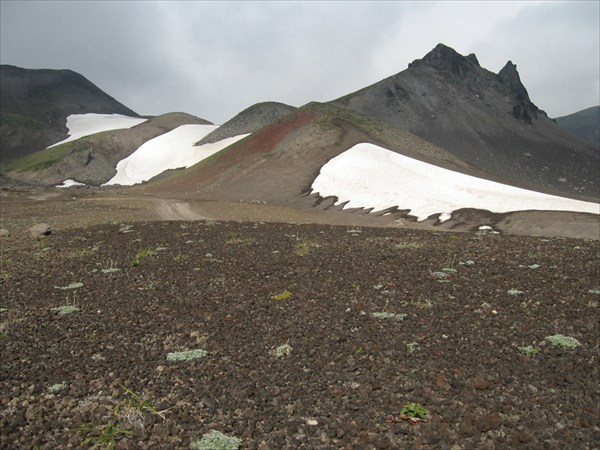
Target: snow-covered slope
{"points": [[172, 150], [81, 125], [370, 176]]}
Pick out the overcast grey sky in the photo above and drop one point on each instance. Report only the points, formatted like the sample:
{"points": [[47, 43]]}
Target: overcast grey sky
{"points": [[214, 59]]}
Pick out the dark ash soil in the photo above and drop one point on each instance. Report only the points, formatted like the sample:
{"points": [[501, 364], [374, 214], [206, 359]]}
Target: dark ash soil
{"points": [[209, 285]]}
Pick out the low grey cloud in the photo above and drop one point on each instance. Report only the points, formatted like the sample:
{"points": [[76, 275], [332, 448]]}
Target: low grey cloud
{"points": [[214, 59]]}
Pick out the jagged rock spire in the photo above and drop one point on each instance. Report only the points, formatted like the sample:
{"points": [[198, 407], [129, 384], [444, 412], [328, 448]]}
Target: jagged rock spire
{"points": [[523, 108]]}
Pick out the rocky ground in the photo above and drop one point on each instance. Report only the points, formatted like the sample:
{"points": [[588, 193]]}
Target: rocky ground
{"points": [[302, 336]]}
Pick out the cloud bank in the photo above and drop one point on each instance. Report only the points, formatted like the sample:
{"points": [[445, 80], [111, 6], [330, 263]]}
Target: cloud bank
{"points": [[214, 59]]}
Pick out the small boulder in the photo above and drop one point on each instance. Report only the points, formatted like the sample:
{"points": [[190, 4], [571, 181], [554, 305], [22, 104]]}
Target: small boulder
{"points": [[40, 230], [4, 232]]}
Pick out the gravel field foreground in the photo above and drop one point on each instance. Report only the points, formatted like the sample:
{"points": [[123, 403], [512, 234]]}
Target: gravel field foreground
{"points": [[150, 335]]}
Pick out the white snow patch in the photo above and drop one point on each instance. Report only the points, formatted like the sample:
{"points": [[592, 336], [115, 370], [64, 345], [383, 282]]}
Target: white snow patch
{"points": [[81, 125], [370, 176], [172, 150], [69, 183]]}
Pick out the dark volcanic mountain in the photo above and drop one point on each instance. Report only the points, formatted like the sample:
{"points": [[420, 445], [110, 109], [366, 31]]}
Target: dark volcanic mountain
{"points": [[249, 120], [36, 103], [486, 119], [584, 123]]}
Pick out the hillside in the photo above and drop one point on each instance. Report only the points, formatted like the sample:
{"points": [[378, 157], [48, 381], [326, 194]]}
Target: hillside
{"points": [[485, 119], [248, 121], [92, 159], [36, 103], [584, 124]]}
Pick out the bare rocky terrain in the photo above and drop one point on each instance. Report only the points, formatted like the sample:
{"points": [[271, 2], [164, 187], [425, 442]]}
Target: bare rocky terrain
{"points": [[316, 337]]}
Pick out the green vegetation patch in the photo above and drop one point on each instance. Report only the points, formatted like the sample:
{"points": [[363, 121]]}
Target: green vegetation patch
{"points": [[43, 159], [559, 340], [529, 350], [414, 411], [215, 440], [283, 296]]}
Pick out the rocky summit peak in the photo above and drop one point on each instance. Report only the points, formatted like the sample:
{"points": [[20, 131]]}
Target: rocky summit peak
{"points": [[446, 59], [523, 107]]}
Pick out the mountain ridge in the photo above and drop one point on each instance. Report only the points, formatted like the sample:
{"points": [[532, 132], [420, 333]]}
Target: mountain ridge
{"points": [[484, 118]]}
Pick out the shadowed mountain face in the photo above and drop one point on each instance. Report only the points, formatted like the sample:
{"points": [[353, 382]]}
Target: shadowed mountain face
{"points": [[36, 103], [584, 124], [486, 119]]}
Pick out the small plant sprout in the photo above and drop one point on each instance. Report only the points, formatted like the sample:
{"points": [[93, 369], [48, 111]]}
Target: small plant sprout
{"points": [[66, 309], [413, 412], [187, 355], [303, 248], [56, 388], [103, 435], [180, 257], [529, 350], [134, 409], [124, 229], [567, 342], [215, 440], [109, 267], [283, 296]]}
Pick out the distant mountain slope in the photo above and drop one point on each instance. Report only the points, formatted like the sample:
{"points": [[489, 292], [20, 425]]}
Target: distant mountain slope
{"points": [[248, 121], [584, 123], [483, 118], [92, 159], [35, 104]]}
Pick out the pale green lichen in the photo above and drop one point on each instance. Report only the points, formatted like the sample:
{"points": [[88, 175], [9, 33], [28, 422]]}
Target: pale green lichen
{"points": [[215, 440], [187, 355], [281, 351], [559, 340], [388, 315], [514, 292], [529, 350], [66, 309], [56, 388]]}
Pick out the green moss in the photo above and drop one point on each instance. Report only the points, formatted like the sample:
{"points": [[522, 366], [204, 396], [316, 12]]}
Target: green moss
{"points": [[283, 296]]}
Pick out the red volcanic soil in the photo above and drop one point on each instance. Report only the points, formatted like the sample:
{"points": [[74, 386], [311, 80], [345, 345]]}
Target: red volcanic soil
{"points": [[240, 155]]}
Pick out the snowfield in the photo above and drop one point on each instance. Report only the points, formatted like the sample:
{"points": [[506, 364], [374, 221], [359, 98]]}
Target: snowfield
{"points": [[370, 176], [69, 183], [81, 125], [172, 150]]}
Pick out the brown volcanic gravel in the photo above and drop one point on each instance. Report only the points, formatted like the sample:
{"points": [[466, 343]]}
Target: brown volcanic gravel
{"points": [[348, 374]]}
